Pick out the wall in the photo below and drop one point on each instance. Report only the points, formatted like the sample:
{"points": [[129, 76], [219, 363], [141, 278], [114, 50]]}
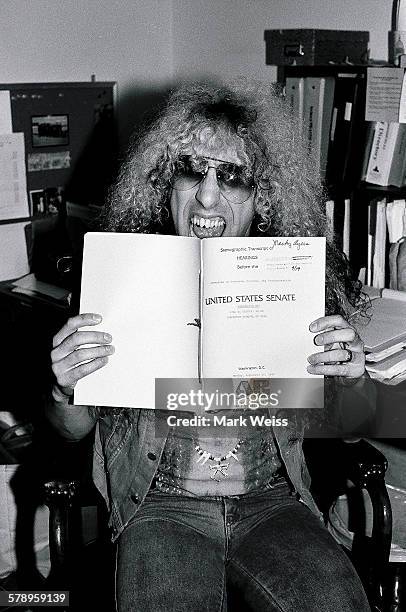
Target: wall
{"points": [[128, 41], [226, 36], [142, 43]]}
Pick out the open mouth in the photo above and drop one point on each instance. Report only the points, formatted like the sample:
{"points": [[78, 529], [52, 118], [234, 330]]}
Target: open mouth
{"points": [[206, 228]]}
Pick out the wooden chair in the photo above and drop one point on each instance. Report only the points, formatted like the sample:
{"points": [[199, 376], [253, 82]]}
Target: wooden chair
{"points": [[360, 462]]}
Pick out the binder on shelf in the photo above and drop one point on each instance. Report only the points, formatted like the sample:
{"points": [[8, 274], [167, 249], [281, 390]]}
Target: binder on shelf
{"points": [[398, 164], [379, 255], [347, 134], [387, 158], [294, 91], [317, 112], [369, 140], [379, 159], [377, 244], [396, 220], [347, 227]]}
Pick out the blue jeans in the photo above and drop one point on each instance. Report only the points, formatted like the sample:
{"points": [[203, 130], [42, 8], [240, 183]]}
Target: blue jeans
{"points": [[259, 552]]}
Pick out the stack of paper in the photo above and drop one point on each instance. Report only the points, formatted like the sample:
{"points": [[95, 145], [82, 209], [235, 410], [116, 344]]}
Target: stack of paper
{"points": [[384, 337]]}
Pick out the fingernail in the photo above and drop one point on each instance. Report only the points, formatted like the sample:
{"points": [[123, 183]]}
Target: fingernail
{"points": [[313, 326], [108, 338], [97, 318]]}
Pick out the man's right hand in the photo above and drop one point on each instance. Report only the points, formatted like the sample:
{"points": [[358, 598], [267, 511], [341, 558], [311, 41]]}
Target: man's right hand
{"points": [[71, 360]]}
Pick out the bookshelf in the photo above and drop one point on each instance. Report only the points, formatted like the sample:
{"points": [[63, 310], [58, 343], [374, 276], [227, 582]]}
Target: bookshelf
{"points": [[364, 219], [347, 156]]}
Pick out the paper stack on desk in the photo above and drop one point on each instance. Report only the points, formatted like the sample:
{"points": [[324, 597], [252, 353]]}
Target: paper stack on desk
{"points": [[384, 336]]}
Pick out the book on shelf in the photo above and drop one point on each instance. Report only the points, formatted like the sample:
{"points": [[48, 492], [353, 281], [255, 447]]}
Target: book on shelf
{"points": [[386, 156], [379, 255], [180, 307], [317, 113], [347, 133]]}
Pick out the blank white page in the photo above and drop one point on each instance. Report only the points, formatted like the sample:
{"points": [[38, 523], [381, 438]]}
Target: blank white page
{"points": [[146, 287]]}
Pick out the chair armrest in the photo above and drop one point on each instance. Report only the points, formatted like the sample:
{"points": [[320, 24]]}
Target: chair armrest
{"points": [[363, 463], [365, 466], [62, 499]]}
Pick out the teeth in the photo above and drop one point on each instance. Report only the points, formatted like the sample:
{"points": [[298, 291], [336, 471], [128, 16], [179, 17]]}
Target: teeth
{"points": [[209, 223]]}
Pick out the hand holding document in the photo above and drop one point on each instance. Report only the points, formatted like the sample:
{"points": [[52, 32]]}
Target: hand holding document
{"points": [[181, 307]]}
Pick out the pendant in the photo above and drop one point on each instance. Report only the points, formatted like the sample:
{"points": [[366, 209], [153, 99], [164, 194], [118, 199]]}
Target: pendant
{"points": [[203, 457], [219, 471]]}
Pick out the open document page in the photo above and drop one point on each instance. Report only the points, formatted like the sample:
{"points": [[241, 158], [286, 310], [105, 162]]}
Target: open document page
{"points": [[146, 288], [259, 297]]}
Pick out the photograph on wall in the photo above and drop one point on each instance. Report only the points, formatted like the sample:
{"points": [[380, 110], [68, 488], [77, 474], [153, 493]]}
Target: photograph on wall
{"points": [[37, 202], [50, 130], [46, 201], [40, 162]]}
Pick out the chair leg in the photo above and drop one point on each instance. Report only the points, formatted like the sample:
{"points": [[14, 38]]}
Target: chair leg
{"points": [[395, 588]]}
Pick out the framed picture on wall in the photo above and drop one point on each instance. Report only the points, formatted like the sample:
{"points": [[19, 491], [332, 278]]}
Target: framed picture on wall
{"points": [[50, 130]]}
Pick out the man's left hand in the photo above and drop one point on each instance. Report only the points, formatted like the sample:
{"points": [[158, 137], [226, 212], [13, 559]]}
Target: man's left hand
{"points": [[343, 353]]}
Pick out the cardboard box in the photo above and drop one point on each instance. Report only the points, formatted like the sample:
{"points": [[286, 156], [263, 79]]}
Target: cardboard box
{"points": [[309, 47]]}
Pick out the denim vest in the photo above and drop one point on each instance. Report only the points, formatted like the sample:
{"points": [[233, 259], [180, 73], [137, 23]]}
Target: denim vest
{"points": [[127, 454]]}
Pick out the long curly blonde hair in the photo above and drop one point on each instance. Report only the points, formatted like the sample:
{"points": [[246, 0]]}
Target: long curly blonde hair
{"points": [[257, 118]]}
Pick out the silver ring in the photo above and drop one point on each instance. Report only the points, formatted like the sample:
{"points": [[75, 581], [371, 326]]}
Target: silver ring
{"points": [[349, 356]]}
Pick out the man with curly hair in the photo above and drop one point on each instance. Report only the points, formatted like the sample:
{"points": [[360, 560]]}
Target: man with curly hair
{"points": [[219, 161]]}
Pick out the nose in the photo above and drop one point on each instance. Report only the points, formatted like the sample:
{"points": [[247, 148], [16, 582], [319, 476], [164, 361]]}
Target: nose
{"points": [[208, 193]]}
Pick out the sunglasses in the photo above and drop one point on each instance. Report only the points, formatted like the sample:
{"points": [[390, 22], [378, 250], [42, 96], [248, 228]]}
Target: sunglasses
{"points": [[235, 182]]}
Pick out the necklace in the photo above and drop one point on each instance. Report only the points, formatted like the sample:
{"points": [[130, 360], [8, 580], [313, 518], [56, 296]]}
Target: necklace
{"points": [[219, 469]]}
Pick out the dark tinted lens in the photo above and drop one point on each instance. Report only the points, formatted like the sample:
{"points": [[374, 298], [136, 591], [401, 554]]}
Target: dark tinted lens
{"points": [[185, 175], [233, 176], [235, 182]]}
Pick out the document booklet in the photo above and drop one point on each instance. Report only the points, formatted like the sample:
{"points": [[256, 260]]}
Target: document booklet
{"points": [[180, 307]]}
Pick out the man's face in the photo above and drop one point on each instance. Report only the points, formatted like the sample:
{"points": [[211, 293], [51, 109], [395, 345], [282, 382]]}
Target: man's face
{"points": [[203, 210]]}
